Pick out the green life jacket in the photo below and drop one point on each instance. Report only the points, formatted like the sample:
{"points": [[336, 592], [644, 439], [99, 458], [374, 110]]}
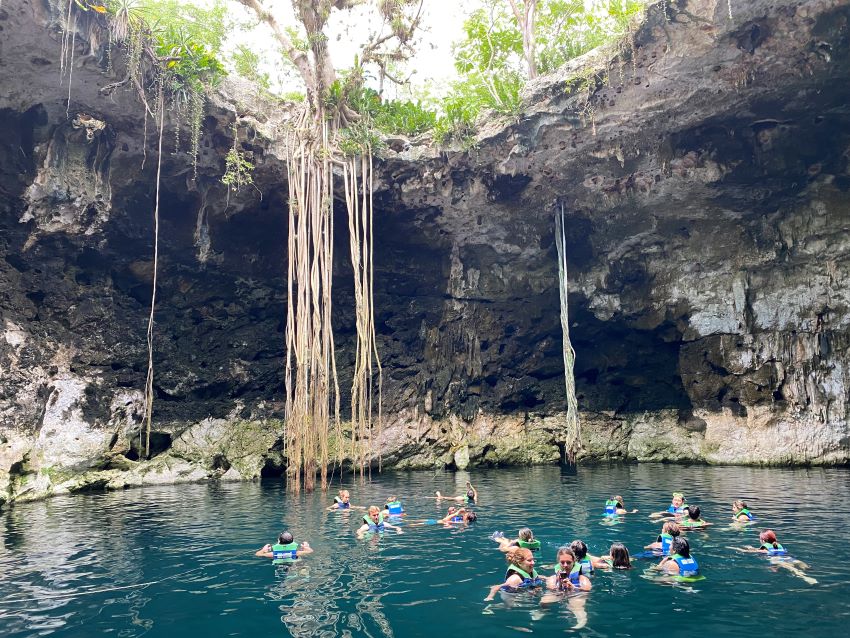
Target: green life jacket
{"points": [[611, 507], [379, 526], [284, 553], [532, 545], [525, 575]]}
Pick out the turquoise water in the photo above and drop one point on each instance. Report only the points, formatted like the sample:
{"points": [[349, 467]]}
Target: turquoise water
{"points": [[179, 560]]}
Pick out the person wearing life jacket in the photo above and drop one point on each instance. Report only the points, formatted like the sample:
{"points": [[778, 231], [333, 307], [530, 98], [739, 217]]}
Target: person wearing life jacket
{"points": [[393, 507], [741, 512], [461, 515], [286, 550], [342, 501], [525, 540], [520, 575], [618, 557], [584, 562], [676, 509], [374, 522], [669, 531], [614, 507], [693, 520], [568, 582], [778, 555], [680, 562], [470, 498]]}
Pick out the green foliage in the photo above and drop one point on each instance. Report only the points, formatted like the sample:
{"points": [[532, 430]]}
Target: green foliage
{"points": [[358, 138], [247, 63], [458, 120], [237, 168], [402, 117]]}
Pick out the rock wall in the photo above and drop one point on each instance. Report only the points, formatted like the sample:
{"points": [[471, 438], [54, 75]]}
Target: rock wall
{"points": [[706, 183]]}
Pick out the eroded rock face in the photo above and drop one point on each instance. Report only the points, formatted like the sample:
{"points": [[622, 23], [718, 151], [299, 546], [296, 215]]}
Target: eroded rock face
{"points": [[706, 188]]}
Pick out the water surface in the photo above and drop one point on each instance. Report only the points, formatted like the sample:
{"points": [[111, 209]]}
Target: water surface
{"points": [[179, 560]]}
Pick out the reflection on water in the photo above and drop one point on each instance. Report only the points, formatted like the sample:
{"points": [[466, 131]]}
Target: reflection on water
{"points": [[179, 559]]}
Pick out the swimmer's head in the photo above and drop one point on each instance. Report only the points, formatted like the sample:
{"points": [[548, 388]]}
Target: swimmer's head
{"points": [[470, 517], [768, 536], [285, 538], [693, 512], [451, 510], [521, 557], [619, 500], [579, 549], [374, 513], [738, 505], [671, 528], [681, 547], [620, 556], [525, 534], [344, 496], [678, 499], [566, 559], [392, 499]]}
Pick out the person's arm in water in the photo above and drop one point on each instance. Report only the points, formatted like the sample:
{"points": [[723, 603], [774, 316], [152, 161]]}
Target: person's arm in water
{"points": [[448, 518], [598, 562], [304, 549], [391, 526], [514, 580]]}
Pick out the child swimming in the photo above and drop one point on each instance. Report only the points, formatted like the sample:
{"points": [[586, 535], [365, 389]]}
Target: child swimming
{"points": [[525, 539], [778, 555], [614, 507], [618, 557], [680, 562], [374, 522], [470, 498], [676, 508], [669, 531], [741, 513], [285, 550], [693, 520]]}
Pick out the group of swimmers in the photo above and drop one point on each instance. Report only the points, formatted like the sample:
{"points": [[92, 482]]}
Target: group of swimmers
{"points": [[574, 566]]}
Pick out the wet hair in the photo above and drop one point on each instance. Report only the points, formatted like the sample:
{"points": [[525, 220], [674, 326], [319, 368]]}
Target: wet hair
{"points": [[739, 505], [679, 495], [768, 537], [518, 555], [525, 534], [470, 517], [681, 547], [285, 538], [373, 509], [672, 528], [392, 499], [620, 556], [693, 512], [579, 549], [342, 493], [619, 500]]}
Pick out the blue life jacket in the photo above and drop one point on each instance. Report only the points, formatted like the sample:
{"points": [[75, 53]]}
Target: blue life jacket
{"points": [[395, 508], [584, 566], [575, 577], [340, 504], [677, 510], [528, 580], [372, 526], [747, 513], [456, 519], [774, 551], [666, 540], [284, 553], [688, 567], [611, 507]]}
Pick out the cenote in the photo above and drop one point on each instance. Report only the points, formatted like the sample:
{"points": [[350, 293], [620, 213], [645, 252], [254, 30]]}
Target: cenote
{"points": [[179, 560]]}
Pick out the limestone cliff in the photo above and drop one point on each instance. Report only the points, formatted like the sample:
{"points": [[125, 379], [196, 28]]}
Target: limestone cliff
{"points": [[707, 184]]}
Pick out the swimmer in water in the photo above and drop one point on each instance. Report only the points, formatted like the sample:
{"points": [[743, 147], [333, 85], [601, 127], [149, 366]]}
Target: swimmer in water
{"points": [[614, 507], [285, 550], [470, 498], [393, 507], [669, 531], [618, 557], [453, 516], [680, 562], [693, 520], [778, 555], [586, 563], [342, 501], [525, 539], [566, 583], [676, 509], [520, 575], [741, 513], [374, 522]]}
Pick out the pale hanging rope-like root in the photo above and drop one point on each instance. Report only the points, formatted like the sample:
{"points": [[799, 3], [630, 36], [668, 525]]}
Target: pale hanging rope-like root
{"points": [[149, 379], [572, 427]]}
